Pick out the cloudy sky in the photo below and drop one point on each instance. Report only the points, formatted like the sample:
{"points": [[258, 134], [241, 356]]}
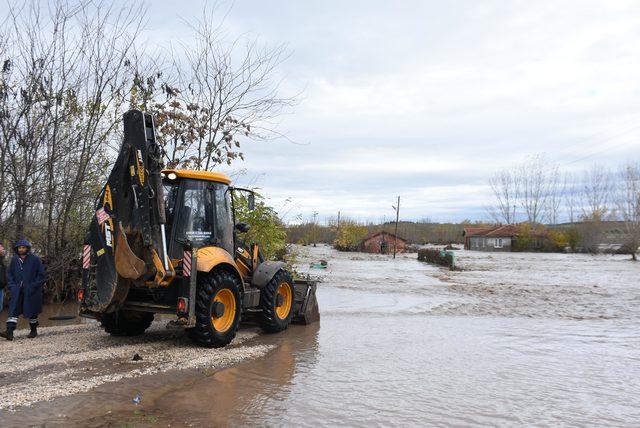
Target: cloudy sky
{"points": [[426, 99]]}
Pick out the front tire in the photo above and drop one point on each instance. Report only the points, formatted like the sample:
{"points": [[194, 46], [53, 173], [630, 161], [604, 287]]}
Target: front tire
{"points": [[218, 309], [277, 300], [126, 323]]}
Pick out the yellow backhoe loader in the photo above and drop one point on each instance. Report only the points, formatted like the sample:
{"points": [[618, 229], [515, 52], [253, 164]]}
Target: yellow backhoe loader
{"points": [[167, 242]]}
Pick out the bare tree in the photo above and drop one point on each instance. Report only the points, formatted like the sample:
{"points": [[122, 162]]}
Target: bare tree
{"points": [[538, 179], [572, 195], [504, 185], [556, 189], [62, 89], [595, 199], [596, 193], [628, 205], [213, 94]]}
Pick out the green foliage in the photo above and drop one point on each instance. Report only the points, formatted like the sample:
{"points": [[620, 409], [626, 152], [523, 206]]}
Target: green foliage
{"points": [[349, 236], [539, 238], [292, 258], [525, 239], [572, 237], [557, 240], [305, 239], [266, 228]]}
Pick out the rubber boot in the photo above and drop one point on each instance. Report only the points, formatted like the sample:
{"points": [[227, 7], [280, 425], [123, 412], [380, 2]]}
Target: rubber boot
{"points": [[34, 330], [9, 333]]}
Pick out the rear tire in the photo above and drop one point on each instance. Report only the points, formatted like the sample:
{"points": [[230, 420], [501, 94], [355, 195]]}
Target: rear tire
{"points": [[277, 300], [126, 323], [216, 325]]}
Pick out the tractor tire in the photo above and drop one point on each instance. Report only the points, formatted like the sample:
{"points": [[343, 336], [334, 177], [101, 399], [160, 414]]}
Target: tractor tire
{"points": [[126, 323], [277, 300], [218, 309]]}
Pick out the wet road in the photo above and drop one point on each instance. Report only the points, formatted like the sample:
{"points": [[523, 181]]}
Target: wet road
{"points": [[404, 343]]}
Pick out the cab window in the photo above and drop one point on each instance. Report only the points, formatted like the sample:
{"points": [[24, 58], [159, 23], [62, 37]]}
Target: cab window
{"points": [[170, 199], [204, 217]]}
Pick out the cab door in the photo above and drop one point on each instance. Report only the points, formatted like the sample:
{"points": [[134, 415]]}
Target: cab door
{"points": [[201, 216]]}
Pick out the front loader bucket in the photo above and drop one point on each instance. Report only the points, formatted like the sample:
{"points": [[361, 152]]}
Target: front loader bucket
{"points": [[306, 307]]}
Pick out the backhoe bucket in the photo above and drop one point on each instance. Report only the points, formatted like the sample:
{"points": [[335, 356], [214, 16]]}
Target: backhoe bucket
{"points": [[106, 291], [306, 306], [128, 264]]}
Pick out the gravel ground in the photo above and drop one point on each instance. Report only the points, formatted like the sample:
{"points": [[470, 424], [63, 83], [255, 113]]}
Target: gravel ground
{"points": [[67, 360]]}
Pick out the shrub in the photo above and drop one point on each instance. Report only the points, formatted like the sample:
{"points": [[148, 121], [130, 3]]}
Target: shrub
{"points": [[525, 239], [538, 238], [437, 257], [349, 236], [572, 237], [590, 232], [557, 241], [266, 228]]}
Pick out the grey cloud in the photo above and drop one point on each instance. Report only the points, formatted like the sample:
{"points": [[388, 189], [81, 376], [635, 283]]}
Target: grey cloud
{"points": [[463, 88]]}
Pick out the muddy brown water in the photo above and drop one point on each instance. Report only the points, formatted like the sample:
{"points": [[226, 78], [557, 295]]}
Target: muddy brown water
{"points": [[407, 344]]}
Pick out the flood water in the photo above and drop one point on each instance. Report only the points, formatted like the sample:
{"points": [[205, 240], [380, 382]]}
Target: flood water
{"points": [[379, 357], [383, 354]]}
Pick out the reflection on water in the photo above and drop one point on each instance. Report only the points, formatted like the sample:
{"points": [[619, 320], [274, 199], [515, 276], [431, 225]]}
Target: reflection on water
{"points": [[251, 392]]}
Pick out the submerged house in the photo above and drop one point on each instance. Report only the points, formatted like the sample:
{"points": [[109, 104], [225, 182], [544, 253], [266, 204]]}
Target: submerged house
{"points": [[500, 238], [382, 243]]}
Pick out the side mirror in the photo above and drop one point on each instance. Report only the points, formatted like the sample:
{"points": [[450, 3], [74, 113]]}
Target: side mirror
{"points": [[251, 201], [242, 227]]}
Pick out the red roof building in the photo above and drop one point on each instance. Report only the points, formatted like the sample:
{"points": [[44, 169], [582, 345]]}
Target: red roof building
{"points": [[498, 238], [382, 243]]}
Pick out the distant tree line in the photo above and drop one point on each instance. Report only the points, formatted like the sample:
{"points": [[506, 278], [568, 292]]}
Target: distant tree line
{"points": [[536, 191], [70, 69], [349, 232]]}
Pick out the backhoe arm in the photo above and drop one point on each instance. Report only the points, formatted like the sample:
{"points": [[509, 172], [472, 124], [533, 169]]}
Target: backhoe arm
{"points": [[126, 243]]}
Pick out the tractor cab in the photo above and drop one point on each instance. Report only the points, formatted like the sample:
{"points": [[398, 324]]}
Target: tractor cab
{"points": [[198, 209]]}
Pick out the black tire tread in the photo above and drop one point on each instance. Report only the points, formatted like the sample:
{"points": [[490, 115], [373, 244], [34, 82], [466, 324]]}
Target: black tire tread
{"points": [[203, 333], [269, 321], [118, 325]]}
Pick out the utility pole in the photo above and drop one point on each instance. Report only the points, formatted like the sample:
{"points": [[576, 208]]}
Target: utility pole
{"points": [[315, 220], [338, 220], [395, 238]]}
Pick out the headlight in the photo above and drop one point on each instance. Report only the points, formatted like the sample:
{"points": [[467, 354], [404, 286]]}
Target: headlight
{"points": [[172, 176]]}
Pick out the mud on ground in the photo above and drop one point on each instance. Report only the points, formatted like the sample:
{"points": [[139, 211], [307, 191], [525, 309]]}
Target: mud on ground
{"points": [[67, 360]]}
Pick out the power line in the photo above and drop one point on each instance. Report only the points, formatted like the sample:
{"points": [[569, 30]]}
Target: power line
{"points": [[605, 140], [634, 124], [599, 152]]}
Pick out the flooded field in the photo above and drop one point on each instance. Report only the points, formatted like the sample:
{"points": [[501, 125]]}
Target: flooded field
{"points": [[512, 339]]}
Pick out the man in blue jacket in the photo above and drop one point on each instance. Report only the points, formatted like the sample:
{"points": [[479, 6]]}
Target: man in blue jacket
{"points": [[25, 280]]}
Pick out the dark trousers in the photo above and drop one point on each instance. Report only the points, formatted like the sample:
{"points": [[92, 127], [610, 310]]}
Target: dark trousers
{"points": [[13, 315]]}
